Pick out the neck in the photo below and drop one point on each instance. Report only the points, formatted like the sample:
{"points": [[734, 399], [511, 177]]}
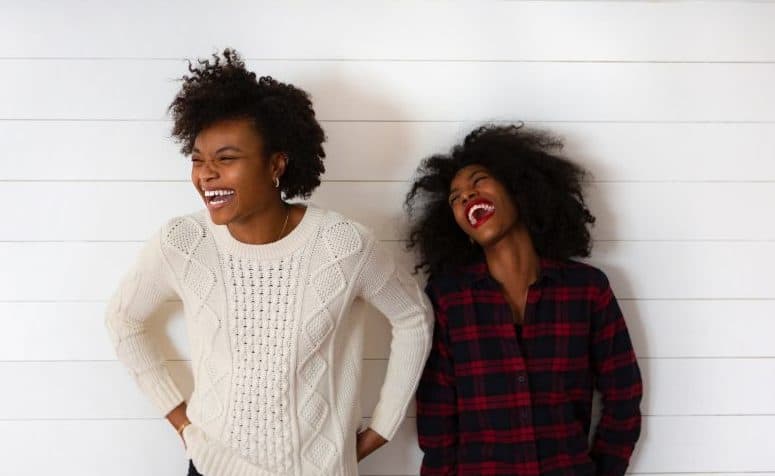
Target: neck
{"points": [[512, 260], [262, 226]]}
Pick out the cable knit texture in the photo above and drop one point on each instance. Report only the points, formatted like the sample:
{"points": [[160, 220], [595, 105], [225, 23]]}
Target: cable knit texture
{"points": [[275, 351]]}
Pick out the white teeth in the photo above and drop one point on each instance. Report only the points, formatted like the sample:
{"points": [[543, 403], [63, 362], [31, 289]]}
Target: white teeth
{"points": [[213, 193], [476, 207]]}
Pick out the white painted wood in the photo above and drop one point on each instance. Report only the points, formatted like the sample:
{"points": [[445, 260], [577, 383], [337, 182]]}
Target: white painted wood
{"points": [[105, 390], [700, 328], [92, 448], [413, 91], [527, 31], [646, 270], [682, 211], [669, 104], [63, 272], [120, 150], [625, 211], [73, 331], [708, 386], [689, 270], [720, 444], [56, 150], [62, 331], [694, 445]]}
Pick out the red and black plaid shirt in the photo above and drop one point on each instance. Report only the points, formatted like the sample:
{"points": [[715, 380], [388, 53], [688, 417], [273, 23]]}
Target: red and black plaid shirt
{"points": [[492, 404]]}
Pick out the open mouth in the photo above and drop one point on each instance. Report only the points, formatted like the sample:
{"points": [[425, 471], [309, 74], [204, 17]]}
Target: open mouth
{"points": [[479, 211], [217, 198]]}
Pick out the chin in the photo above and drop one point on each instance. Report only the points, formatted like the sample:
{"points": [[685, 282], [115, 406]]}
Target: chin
{"points": [[220, 218]]}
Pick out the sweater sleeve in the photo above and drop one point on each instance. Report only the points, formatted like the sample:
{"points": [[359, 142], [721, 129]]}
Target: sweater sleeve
{"points": [[127, 317], [396, 295]]}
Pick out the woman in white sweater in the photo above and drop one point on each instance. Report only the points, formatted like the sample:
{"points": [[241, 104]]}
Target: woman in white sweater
{"points": [[267, 288]]}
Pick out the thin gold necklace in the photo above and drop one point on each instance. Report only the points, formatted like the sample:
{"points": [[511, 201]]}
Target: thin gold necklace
{"points": [[287, 215]]}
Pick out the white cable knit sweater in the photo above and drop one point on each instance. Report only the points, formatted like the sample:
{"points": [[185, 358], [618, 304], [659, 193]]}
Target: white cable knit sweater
{"points": [[275, 352]]}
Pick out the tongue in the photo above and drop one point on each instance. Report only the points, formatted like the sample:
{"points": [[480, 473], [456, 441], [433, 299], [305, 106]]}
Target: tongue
{"points": [[479, 213]]}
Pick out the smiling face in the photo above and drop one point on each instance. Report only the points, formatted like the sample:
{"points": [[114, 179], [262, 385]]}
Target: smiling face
{"points": [[482, 206], [232, 173]]}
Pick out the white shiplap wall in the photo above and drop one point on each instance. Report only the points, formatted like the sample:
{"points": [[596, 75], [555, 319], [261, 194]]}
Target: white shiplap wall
{"points": [[671, 105]]}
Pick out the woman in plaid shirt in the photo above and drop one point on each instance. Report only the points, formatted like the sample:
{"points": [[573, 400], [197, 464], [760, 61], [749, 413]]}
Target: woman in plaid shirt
{"points": [[523, 334]]}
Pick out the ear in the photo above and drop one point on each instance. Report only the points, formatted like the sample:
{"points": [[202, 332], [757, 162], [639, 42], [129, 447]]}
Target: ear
{"points": [[279, 161]]}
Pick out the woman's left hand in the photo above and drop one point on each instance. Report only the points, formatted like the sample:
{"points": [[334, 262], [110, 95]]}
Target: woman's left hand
{"points": [[367, 442]]}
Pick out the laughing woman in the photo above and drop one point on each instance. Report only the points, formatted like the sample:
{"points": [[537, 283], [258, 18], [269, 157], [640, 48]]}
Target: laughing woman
{"points": [[267, 287], [523, 333]]}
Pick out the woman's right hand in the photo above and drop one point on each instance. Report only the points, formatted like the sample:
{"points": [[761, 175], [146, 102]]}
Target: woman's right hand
{"points": [[179, 420]]}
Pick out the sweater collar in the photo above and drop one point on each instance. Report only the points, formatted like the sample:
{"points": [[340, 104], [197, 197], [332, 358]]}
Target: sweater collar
{"points": [[285, 246]]}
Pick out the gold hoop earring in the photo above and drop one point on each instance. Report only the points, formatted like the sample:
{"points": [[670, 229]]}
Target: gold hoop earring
{"points": [[276, 182]]}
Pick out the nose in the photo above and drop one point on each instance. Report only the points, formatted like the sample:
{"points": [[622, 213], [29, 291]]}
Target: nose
{"points": [[207, 172], [468, 195]]}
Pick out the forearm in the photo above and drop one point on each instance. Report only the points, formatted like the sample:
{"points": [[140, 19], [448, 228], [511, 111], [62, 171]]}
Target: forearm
{"points": [[127, 319], [136, 350], [616, 435], [619, 381], [368, 442], [409, 351], [410, 315]]}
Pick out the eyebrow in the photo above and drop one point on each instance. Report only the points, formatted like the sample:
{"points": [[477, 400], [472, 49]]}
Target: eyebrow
{"points": [[228, 147], [224, 148]]}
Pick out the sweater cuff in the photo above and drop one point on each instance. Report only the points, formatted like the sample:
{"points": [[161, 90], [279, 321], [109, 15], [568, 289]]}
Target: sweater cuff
{"points": [[161, 389], [385, 421]]}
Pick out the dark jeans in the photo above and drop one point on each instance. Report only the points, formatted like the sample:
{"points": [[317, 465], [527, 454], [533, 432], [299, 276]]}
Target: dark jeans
{"points": [[192, 470]]}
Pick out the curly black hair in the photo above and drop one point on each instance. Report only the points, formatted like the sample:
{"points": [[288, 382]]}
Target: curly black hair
{"points": [[224, 89], [546, 188]]}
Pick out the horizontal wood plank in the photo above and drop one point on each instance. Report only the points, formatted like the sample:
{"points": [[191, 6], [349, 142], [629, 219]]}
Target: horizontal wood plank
{"points": [[373, 151], [105, 211], [521, 31], [644, 270], [413, 91]]}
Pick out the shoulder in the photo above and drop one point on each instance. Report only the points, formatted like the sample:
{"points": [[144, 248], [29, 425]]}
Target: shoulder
{"points": [[443, 285], [577, 272], [584, 275], [343, 233], [183, 233], [176, 236]]}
